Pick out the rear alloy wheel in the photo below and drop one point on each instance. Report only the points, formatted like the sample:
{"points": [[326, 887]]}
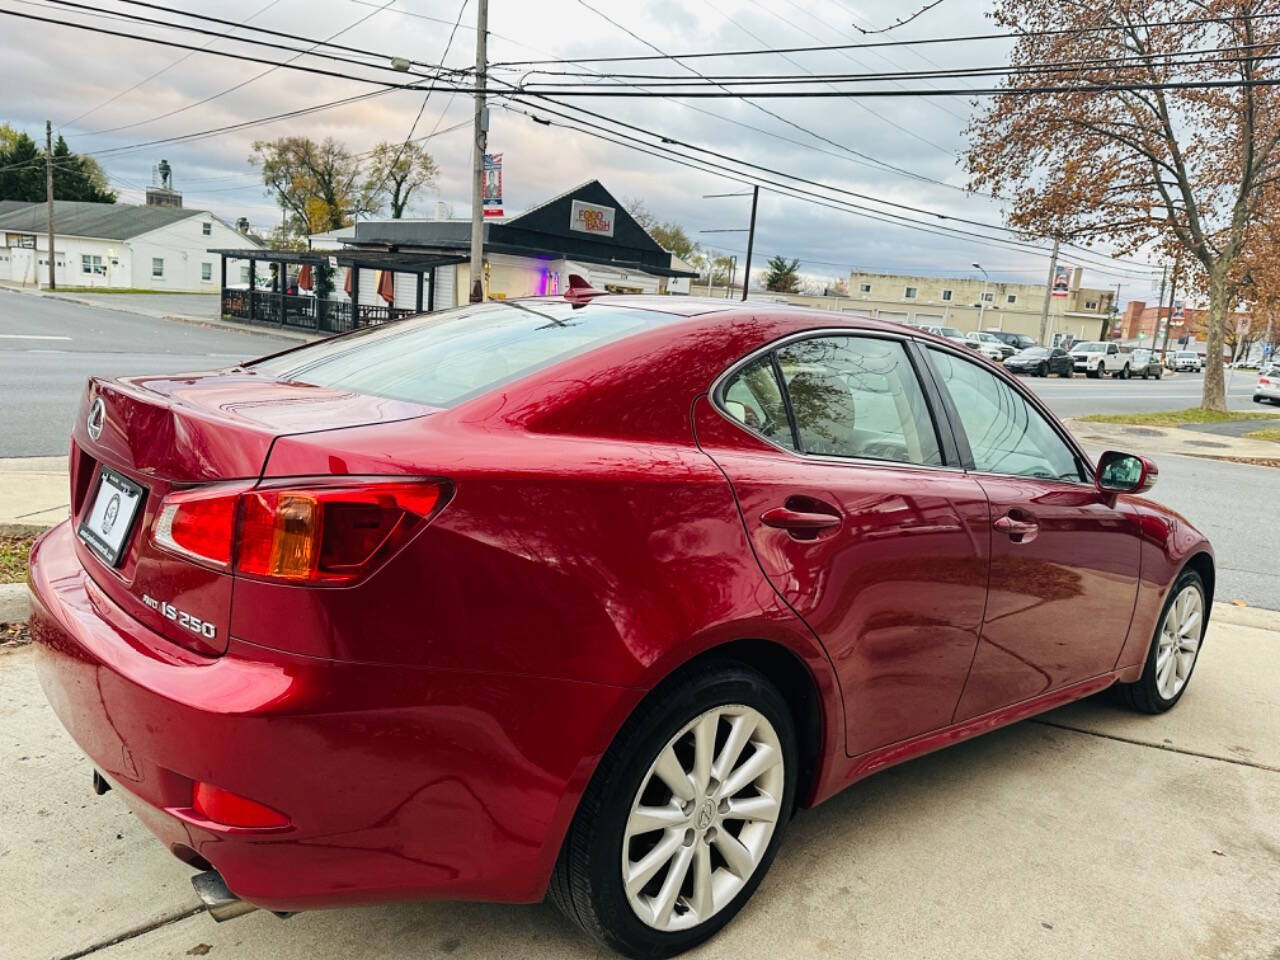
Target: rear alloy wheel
{"points": [[1042, 370], [1124, 372], [1174, 649], [683, 816]]}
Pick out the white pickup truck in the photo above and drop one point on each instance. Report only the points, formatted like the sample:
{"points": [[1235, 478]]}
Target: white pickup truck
{"points": [[1095, 358]]}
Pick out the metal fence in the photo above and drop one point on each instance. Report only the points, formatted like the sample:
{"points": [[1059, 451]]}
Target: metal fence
{"points": [[305, 313]]}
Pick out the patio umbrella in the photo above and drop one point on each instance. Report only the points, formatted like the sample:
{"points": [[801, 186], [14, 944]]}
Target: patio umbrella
{"points": [[304, 277], [387, 286], [346, 284]]}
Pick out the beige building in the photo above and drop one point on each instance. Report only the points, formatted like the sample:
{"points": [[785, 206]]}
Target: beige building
{"points": [[958, 302]]}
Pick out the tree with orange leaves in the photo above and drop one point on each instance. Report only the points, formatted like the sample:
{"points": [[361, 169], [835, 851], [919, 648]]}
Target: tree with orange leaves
{"points": [[1141, 122]]}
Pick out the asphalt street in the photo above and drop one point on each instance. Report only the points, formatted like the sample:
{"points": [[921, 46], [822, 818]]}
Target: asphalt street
{"points": [[49, 347], [1080, 396]]}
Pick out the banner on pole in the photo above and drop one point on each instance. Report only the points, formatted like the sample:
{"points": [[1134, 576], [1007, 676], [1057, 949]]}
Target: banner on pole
{"points": [[493, 185], [1061, 281]]}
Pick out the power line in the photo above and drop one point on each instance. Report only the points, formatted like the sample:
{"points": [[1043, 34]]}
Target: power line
{"points": [[901, 21], [924, 41]]}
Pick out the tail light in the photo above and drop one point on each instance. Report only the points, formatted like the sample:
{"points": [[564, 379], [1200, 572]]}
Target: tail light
{"points": [[320, 532]]}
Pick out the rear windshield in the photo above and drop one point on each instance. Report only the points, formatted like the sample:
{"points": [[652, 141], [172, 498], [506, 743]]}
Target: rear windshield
{"points": [[445, 358]]}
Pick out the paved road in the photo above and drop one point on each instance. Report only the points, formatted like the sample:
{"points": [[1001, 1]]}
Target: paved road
{"points": [[1080, 395], [48, 347], [186, 304]]}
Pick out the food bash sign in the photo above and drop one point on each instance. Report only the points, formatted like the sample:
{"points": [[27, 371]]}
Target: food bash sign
{"points": [[591, 218]]}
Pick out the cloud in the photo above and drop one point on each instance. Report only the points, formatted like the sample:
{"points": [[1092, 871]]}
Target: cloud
{"points": [[924, 135]]}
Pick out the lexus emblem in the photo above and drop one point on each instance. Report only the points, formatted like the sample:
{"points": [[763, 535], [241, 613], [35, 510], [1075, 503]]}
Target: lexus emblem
{"points": [[93, 423]]}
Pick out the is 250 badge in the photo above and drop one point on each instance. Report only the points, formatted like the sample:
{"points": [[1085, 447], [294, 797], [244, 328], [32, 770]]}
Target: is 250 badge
{"points": [[201, 628]]}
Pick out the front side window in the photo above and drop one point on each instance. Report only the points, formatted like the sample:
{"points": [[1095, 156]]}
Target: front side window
{"points": [[1006, 434], [858, 397], [753, 398], [157, 266]]}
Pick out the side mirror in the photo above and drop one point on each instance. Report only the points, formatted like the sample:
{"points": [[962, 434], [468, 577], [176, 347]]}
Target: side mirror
{"points": [[1124, 473]]}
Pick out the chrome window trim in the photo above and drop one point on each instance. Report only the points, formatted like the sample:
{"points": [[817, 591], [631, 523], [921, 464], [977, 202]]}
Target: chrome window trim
{"points": [[715, 394]]}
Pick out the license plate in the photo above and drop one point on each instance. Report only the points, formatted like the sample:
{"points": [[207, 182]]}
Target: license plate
{"points": [[106, 526]]}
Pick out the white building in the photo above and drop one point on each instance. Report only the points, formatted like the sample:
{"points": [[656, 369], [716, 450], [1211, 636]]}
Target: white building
{"points": [[114, 245]]}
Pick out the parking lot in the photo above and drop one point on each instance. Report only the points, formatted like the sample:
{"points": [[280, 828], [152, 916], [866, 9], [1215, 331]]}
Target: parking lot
{"points": [[1089, 832]]}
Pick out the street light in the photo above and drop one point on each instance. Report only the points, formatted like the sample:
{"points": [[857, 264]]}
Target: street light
{"points": [[982, 300]]}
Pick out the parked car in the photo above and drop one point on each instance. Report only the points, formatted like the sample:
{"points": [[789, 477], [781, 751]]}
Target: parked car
{"points": [[579, 596], [1019, 341], [1267, 388], [1095, 358], [1041, 361], [1187, 361], [1146, 363], [990, 345], [947, 333]]}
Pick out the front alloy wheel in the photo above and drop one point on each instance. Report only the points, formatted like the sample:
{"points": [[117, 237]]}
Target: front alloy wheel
{"points": [[683, 815], [1174, 649]]}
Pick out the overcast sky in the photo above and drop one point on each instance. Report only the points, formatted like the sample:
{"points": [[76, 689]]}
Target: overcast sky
{"points": [[60, 73]]}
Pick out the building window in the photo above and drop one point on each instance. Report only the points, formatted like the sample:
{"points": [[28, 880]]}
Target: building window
{"points": [[92, 265], [1011, 298], [909, 293], [988, 297], [946, 294], [206, 228], [864, 288], [206, 271], [1091, 305], [244, 275], [157, 266]]}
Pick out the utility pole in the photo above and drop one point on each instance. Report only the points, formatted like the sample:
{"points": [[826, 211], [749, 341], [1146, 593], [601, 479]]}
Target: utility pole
{"points": [[1164, 278], [1048, 293], [477, 158], [751, 239], [48, 192], [1173, 292]]}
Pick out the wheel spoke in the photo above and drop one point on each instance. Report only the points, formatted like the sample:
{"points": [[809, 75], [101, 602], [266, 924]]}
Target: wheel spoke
{"points": [[737, 856], [648, 819], [704, 745], [1163, 671], [760, 761], [703, 904], [1192, 622], [740, 730], [673, 775], [665, 901], [763, 807], [642, 872]]}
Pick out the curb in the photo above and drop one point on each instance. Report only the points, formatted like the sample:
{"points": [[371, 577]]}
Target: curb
{"points": [[15, 603], [25, 529]]}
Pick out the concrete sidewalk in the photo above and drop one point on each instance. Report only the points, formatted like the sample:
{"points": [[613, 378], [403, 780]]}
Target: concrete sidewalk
{"points": [[34, 494], [1182, 441], [1087, 832]]}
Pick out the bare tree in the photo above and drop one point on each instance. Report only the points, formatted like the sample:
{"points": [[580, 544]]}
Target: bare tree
{"points": [[1179, 148]]}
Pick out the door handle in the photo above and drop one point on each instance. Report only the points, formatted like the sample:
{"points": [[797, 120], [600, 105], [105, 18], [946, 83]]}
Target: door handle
{"points": [[1019, 531], [799, 521]]}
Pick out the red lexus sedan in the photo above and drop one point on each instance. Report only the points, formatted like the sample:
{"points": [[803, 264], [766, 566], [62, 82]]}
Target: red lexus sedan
{"points": [[582, 596]]}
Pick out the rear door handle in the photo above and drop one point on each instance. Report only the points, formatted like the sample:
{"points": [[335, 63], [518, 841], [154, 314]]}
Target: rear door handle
{"points": [[1019, 531], [784, 518]]}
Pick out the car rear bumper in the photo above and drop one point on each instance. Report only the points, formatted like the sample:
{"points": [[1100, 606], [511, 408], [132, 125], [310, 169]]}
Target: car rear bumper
{"points": [[399, 783]]}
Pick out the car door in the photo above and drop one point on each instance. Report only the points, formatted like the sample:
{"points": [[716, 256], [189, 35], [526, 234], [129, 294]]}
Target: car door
{"points": [[862, 519], [1064, 557]]}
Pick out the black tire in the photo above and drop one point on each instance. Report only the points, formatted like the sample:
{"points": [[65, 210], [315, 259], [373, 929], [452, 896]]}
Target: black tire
{"points": [[1257, 399], [1093, 374], [1124, 372], [1042, 370], [1143, 695], [587, 882], [1068, 372]]}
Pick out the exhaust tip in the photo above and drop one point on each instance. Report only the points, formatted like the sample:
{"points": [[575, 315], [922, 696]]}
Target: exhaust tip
{"points": [[221, 903]]}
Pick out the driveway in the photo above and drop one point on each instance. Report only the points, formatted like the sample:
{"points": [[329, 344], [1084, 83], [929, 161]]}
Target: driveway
{"points": [[1088, 832]]}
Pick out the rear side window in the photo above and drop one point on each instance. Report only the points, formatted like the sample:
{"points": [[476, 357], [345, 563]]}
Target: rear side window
{"points": [[753, 398], [445, 358], [858, 397]]}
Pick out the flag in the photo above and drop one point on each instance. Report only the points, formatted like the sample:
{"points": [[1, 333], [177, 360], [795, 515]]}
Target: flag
{"points": [[1061, 281], [493, 185]]}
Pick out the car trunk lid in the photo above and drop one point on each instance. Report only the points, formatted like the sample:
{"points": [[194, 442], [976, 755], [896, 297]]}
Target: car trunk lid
{"points": [[137, 439]]}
